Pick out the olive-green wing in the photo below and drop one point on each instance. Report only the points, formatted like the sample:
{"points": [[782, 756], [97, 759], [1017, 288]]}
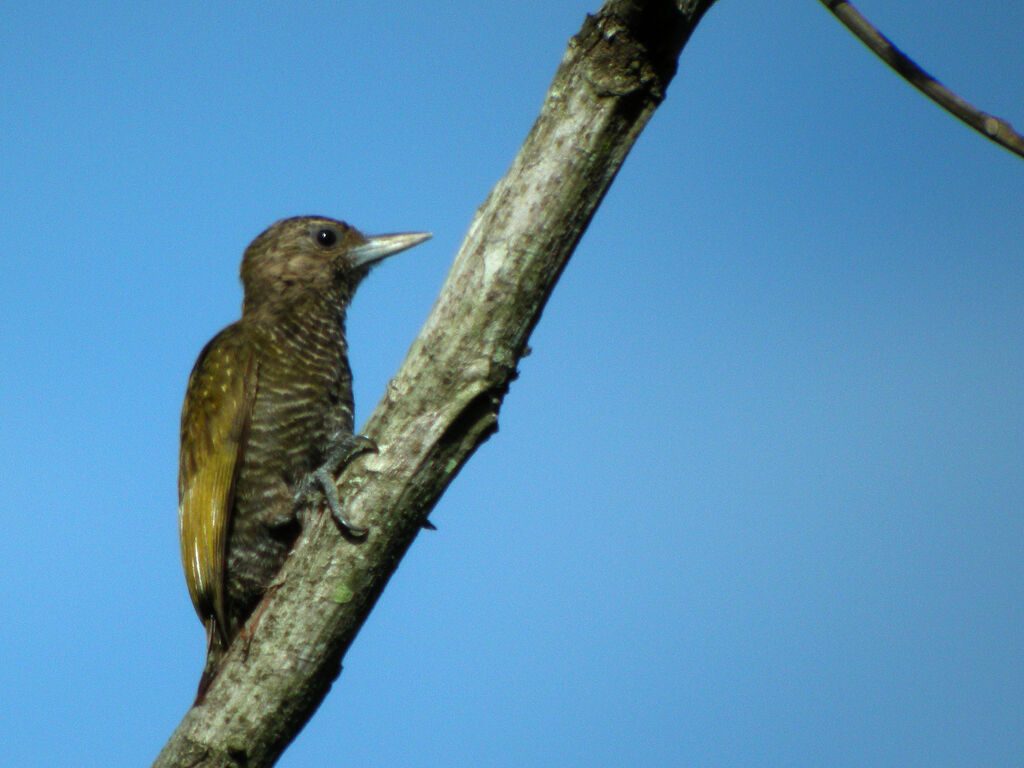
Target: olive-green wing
{"points": [[214, 425]]}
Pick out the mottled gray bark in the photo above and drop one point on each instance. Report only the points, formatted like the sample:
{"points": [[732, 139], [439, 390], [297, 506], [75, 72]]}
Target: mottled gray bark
{"points": [[444, 401]]}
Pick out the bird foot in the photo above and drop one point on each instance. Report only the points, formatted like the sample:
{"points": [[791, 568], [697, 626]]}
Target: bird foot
{"points": [[343, 449]]}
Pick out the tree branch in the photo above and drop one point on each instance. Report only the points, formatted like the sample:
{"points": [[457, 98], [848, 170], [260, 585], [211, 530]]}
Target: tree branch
{"points": [[444, 401], [994, 128]]}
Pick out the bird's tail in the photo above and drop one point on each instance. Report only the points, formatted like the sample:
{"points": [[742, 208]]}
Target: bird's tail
{"points": [[215, 650]]}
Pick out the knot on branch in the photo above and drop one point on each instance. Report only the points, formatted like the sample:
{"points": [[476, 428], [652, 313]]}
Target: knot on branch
{"points": [[634, 45]]}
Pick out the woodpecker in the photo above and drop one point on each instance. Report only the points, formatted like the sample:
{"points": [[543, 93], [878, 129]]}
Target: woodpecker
{"points": [[268, 418]]}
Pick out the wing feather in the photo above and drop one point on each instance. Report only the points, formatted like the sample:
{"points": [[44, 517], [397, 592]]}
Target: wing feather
{"points": [[214, 425]]}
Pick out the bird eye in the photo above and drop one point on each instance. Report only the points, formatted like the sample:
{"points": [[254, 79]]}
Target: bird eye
{"points": [[326, 237]]}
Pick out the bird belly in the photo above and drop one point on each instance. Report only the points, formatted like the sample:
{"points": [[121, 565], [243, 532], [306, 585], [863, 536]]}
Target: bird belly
{"points": [[287, 436]]}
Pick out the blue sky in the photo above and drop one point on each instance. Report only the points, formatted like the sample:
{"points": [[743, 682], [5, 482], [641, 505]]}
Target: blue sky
{"points": [[757, 494]]}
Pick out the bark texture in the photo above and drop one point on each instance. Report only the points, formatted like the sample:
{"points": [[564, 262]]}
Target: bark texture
{"points": [[444, 401]]}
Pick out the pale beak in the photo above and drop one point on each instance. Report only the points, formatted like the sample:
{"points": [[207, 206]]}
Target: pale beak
{"points": [[378, 247]]}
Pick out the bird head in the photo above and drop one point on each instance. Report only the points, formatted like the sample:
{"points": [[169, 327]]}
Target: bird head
{"points": [[296, 256]]}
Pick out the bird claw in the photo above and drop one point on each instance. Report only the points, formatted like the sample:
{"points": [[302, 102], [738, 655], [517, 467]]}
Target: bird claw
{"points": [[343, 449]]}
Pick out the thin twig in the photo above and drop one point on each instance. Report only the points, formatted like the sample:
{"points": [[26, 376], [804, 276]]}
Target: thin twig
{"points": [[994, 128]]}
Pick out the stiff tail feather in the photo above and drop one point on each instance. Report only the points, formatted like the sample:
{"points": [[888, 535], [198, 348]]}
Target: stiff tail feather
{"points": [[215, 651]]}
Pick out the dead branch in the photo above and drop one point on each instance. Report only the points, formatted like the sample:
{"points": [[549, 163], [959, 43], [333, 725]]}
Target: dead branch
{"points": [[994, 128], [444, 401]]}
